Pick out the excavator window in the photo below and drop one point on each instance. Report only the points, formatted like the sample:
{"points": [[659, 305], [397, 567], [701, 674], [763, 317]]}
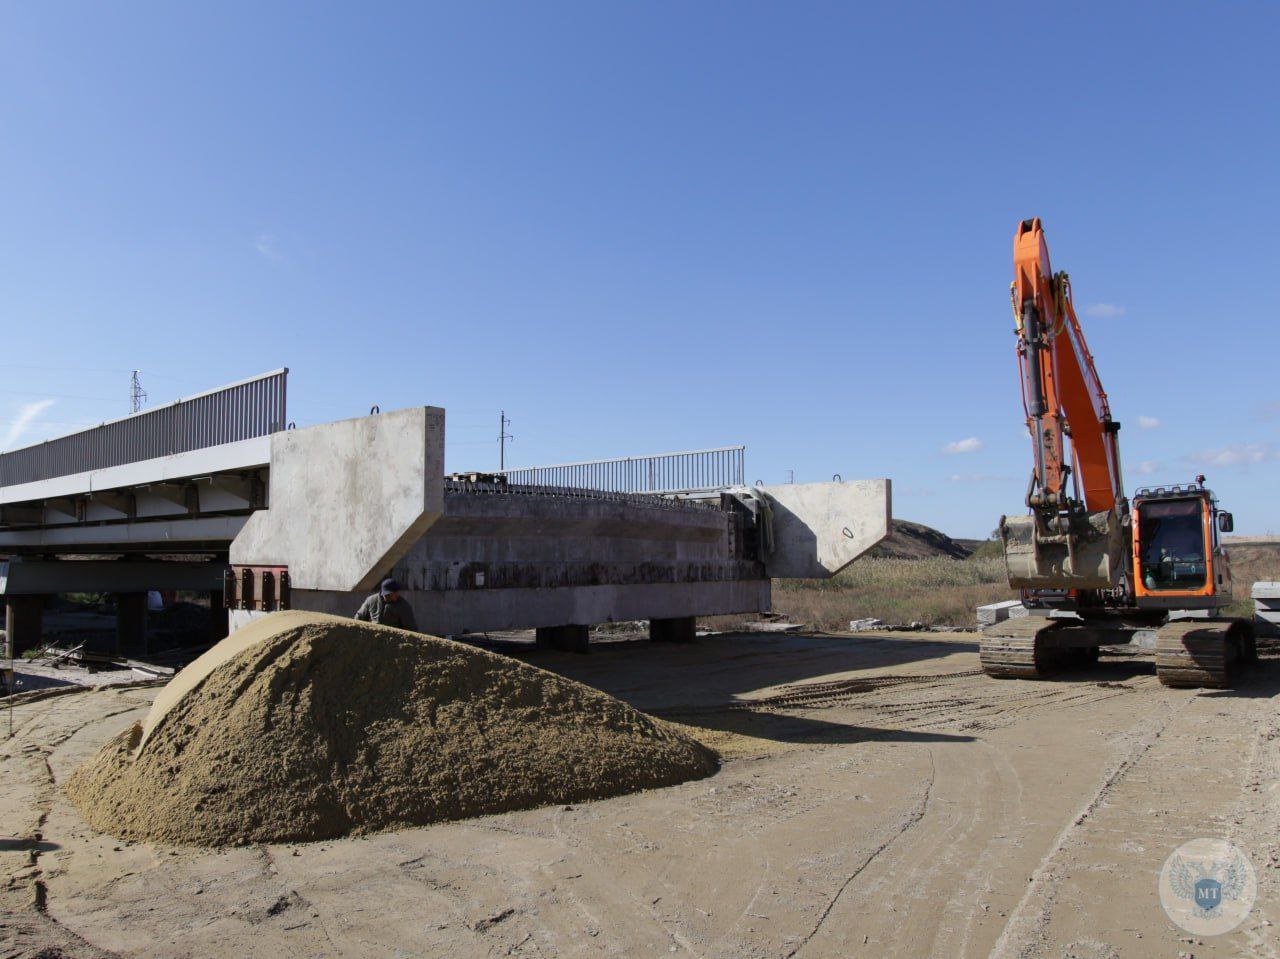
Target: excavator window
{"points": [[1172, 547]]}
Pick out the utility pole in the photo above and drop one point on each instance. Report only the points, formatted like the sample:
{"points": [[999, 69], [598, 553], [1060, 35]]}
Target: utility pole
{"points": [[503, 436], [791, 476], [137, 395]]}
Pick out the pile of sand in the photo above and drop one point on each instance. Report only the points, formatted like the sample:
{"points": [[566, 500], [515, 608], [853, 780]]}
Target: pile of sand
{"points": [[304, 727]]}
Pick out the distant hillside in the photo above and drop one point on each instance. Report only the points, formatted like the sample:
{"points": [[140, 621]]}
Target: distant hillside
{"points": [[916, 541]]}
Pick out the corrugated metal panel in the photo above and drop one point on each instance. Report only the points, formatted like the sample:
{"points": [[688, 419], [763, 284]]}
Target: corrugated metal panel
{"points": [[241, 411]]}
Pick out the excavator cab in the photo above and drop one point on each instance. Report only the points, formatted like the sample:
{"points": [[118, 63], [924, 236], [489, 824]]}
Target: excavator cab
{"points": [[1178, 559]]}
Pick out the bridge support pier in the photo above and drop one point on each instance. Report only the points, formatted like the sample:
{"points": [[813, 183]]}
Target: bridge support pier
{"points": [[23, 623], [131, 623], [568, 639], [681, 629], [219, 622]]}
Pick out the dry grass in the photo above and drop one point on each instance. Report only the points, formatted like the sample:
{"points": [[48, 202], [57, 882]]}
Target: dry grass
{"points": [[945, 592], [1251, 563], [936, 592]]}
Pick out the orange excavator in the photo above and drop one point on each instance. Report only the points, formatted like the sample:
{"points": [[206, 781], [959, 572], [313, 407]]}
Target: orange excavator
{"points": [[1094, 567]]}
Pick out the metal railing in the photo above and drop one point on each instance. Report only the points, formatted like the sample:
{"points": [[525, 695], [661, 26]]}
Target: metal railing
{"points": [[646, 500], [241, 411], [692, 471]]}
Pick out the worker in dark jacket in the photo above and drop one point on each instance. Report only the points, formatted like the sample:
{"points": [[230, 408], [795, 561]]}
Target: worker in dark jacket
{"points": [[388, 607]]}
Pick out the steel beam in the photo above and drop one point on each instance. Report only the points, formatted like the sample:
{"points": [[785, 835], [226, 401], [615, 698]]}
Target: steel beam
{"points": [[24, 577], [234, 457], [175, 536]]}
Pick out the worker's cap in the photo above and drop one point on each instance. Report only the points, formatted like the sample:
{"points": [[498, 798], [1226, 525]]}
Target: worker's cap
{"points": [[389, 586]]}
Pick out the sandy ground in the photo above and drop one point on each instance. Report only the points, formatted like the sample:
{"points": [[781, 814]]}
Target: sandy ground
{"points": [[896, 804]]}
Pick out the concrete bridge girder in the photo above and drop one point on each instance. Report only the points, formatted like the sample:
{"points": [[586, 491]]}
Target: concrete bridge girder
{"points": [[341, 505]]}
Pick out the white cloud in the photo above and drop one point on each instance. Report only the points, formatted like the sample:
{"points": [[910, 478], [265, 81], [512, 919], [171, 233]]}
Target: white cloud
{"points": [[915, 491], [1104, 311], [1236, 454], [26, 414], [1148, 468], [268, 247], [1148, 422], [970, 444]]}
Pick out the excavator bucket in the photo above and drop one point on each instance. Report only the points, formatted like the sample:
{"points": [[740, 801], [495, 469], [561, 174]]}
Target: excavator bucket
{"points": [[1093, 560]]}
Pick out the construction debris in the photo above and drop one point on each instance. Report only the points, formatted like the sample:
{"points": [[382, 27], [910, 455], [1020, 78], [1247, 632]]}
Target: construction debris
{"points": [[315, 727], [1266, 608], [772, 626], [993, 613]]}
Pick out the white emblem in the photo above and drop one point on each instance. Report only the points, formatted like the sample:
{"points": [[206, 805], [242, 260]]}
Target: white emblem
{"points": [[1208, 886]]}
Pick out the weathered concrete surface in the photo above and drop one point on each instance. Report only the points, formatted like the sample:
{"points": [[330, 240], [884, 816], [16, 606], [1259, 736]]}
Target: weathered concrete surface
{"points": [[510, 540], [348, 499], [452, 612], [507, 560], [820, 528]]}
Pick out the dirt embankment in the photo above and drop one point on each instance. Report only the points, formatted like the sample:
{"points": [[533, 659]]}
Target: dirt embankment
{"points": [[910, 540], [319, 727]]}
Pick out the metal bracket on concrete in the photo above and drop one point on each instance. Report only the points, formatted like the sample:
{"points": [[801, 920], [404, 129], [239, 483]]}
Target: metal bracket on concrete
{"points": [[263, 589]]}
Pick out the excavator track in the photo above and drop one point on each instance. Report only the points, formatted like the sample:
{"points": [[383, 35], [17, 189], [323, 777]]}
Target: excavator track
{"points": [[1017, 648], [1203, 653]]}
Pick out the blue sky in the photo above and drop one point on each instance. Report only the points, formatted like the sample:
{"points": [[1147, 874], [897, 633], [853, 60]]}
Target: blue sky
{"points": [[654, 226]]}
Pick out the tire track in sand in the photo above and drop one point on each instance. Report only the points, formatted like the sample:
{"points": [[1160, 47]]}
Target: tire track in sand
{"points": [[1023, 928], [916, 814]]}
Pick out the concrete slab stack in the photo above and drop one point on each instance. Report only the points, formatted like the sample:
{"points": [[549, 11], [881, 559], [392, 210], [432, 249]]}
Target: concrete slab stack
{"points": [[1266, 608], [994, 613]]}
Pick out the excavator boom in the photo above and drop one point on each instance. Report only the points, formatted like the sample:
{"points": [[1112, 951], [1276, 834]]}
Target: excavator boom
{"points": [[1061, 389], [1072, 539]]}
